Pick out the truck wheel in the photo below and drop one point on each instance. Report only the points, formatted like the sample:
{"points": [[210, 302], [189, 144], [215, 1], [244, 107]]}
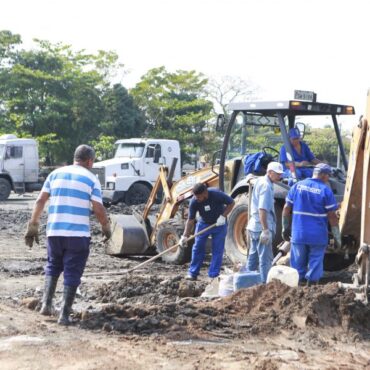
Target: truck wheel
{"points": [[236, 244], [168, 234], [5, 189], [137, 194]]}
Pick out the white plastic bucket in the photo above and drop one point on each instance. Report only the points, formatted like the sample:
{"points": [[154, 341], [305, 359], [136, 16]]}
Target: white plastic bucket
{"points": [[285, 274], [246, 279], [226, 286]]}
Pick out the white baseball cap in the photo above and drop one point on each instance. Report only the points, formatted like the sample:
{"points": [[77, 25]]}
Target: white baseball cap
{"points": [[276, 167]]}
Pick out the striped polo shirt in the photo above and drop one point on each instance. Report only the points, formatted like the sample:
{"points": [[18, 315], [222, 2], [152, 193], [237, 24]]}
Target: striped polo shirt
{"points": [[71, 189], [311, 200]]}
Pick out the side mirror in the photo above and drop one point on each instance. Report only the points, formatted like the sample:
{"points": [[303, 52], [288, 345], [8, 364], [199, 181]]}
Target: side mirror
{"points": [[301, 127], [220, 122]]}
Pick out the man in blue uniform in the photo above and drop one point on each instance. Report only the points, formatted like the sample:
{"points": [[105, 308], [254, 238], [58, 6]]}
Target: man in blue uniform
{"points": [[262, 223], [302, 156], [213, 206], [312, 204]]}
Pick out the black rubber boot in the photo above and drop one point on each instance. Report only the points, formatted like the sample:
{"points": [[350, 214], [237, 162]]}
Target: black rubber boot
{"points": [[68, 298], [47, 299]]}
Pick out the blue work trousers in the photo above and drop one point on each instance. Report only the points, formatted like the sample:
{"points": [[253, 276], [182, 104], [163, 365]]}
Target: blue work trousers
{"points": [[68, 255], [260, 255], [218, 234], [308, 260]]}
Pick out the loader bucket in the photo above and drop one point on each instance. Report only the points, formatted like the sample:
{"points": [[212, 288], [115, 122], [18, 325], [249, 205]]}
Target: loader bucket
{"points": [[129, 236]]}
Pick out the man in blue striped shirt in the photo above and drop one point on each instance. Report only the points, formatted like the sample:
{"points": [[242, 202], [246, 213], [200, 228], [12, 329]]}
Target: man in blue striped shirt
{"points": [[70, 190], [312, 204]]}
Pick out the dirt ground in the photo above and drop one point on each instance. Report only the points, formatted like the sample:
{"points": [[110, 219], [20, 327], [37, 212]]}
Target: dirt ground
{"points": [[154, 319]]}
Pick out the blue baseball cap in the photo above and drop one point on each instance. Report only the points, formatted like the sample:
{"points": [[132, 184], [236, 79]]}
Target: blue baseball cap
{"points": [[294, 133], [322, 168]]}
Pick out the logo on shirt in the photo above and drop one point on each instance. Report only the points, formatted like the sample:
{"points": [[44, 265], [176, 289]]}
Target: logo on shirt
{"points": [[207, 208], [301, 187]]}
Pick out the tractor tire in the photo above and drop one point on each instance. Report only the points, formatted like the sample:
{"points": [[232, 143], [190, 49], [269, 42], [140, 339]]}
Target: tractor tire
{"points": [[137, 194], [236, 243], [5, 189], [168, 234]]}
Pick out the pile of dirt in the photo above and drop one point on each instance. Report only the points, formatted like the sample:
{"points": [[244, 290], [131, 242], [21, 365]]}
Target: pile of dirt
{"points": [[152, 289], [263, 309]]}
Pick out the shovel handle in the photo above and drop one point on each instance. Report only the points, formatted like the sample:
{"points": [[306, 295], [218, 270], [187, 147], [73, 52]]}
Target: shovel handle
{"points": [[170, 249]]}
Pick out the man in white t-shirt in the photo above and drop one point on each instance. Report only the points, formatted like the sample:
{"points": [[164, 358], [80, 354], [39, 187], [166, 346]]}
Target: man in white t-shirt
{"points": [[70, 191]]}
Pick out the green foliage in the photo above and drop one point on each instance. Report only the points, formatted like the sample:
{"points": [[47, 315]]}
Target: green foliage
{"points": [[104, 147], [323, 143], [61, 97], [175, 107]]}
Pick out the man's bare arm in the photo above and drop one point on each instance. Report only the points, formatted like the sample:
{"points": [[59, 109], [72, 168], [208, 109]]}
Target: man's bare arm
{"points": [[39, 207]]}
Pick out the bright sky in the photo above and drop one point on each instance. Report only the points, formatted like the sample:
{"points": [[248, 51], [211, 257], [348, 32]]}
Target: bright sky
{"points": [[280, 45]]}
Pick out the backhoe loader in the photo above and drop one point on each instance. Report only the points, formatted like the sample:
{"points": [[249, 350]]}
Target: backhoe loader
{"points": [[139, 234]]}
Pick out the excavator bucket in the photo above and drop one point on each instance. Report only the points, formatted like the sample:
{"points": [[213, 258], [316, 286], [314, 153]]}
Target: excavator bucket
{"points": [[129, 236]]}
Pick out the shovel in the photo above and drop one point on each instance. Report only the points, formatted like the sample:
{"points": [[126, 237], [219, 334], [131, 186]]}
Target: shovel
{"points": [[150, 259]]}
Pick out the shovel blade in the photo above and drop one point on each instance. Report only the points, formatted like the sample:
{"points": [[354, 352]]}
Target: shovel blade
{"points": [[129, 236]]}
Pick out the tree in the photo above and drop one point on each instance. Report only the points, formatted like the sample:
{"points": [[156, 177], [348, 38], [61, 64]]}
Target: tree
{"points": [[53, 93], [122, 118], [175, 106], [227, 89]]}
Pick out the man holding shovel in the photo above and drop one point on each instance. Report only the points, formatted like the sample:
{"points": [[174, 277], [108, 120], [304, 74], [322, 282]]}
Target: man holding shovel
{"points": [[70, 190], [213, 206]]}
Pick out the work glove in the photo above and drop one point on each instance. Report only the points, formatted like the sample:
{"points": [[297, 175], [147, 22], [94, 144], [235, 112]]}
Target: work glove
{"points": [[285, 231], [221, 221], [337, 237], [265, 237], [183, 241], [106, 231], [32, 234]]}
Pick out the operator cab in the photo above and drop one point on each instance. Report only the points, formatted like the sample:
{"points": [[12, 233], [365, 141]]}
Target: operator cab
{"points": [[262, 127]]}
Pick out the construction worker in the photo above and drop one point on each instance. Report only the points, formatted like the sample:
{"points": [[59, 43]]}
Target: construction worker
{"points": [[262, 222], [302, 156], [312, 204], [213, 206], [70, 190]]}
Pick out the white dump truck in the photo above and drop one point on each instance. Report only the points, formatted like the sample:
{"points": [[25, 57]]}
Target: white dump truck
{"points": [[19, 166], [131, 174]]}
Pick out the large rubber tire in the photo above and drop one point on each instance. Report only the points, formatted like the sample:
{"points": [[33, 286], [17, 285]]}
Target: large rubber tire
{"points": [[168, 234], [137, 194], [5, 189], [236, 239], [236, 244]]}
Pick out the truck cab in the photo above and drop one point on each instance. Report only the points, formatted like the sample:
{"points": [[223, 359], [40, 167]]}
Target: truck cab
{"points": [[19, 166], [131, 174]]}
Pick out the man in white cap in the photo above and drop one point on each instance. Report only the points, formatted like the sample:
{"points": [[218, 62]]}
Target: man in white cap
{"points": [[262, 223]]}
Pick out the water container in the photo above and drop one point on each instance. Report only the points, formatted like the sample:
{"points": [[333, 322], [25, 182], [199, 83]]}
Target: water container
{"points": [[285, 274], [246, 279], [226, 286]]}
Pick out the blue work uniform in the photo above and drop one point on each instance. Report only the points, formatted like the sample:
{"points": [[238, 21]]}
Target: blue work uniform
{"points": [[209, 211], [311, 200], [306, 155], [260, 255]]}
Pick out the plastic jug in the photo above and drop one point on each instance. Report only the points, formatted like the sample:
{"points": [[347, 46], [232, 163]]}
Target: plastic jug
{"points": [[226, 286], [246, 279], [285, 274]]}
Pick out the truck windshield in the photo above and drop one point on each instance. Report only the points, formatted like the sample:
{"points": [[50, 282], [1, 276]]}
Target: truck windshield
{"points": [[2, 148], [131, 150]]}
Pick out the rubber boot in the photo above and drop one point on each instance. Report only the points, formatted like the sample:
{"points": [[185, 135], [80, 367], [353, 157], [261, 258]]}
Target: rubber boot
{"points": [[68, 298], [47, 299]]}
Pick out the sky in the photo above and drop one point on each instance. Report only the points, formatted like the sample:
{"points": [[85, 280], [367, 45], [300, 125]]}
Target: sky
{"points": [[278, 45]]}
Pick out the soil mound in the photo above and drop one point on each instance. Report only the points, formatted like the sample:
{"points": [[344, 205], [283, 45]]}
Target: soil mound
{"points": [[263, 309]]}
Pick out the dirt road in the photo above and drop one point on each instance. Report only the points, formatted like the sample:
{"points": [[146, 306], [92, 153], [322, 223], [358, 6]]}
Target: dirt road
{"points": [[153, 319]]}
